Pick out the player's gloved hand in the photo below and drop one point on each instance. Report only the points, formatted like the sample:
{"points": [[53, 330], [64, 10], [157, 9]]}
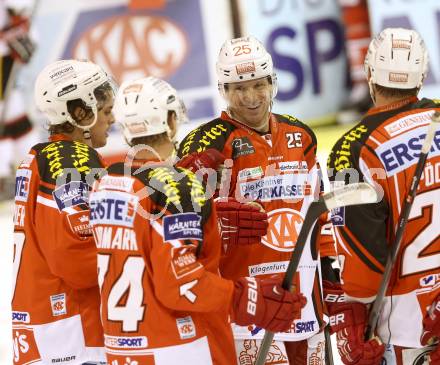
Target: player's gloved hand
{"points": [[348, 321], [431, 331], [265, 303], [210, 158], [241, 223], [16, 35]]}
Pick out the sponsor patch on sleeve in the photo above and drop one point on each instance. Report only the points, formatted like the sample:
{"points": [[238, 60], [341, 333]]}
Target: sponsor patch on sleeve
{"points": [[71, 194], [79, 223], [183, 226], [184, 260], [22, 184]]}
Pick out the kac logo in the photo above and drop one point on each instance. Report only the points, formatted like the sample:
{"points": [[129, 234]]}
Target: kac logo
{"points": [[284, 226], [157, 45]]}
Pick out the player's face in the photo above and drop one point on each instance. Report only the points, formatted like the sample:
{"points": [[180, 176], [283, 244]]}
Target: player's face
{"points": [[99, 131], [249, 101]]}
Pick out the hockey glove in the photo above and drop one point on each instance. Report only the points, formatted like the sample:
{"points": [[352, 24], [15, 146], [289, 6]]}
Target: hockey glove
{"points": [[241, 224], [348, 321], [431, 330], [210, 158], [266, 304], [16, 35]]}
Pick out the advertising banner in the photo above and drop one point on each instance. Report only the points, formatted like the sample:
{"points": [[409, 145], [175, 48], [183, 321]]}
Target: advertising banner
{"points": [[424, 17], [305, 38], [177, 41]]}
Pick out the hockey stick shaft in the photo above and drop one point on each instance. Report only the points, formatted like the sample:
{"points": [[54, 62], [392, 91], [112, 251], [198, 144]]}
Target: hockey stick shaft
{"points": [[328, 347], [351, 194], [403, 219]]}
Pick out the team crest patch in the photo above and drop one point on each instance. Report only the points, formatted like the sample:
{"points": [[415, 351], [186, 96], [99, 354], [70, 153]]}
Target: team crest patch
{"points": [[58, 304], [186, 327], [183, 226], [242, 146]]}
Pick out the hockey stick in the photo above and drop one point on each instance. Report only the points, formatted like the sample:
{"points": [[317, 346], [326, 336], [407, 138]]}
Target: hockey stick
{"points": [[403, 219], [328, 346], [360, 193]]}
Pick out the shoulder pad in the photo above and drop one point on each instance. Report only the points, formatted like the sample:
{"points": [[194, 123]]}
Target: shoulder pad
{"points": [[288, 119], [427, 103], [176, 189], [345, 152], [117, 168], [210, 135], [59, 158]]}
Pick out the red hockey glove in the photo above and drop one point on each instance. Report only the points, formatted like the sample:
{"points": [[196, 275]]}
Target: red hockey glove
{"points": [[16, 35], [241, 224], [348, 321], [210, 158], [431, 330], [266, 304]]}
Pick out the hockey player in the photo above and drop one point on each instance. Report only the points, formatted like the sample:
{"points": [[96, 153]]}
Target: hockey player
{"points": [[273, 164], [16, 133], [55, 301], [163, 301], [383, 149]]}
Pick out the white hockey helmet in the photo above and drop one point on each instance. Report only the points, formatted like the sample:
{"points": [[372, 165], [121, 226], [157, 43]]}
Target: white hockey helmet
{"points": [[397, 58], [142, 106], [66, 80], [244, 59]]}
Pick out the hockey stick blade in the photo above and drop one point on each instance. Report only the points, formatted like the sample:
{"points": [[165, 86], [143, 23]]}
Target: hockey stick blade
{"points": [[352, 194], [403, 219]]}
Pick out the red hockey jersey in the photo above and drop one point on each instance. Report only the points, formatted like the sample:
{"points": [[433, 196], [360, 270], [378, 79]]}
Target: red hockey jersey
{"points": [[163, 301], [55, 302], [383, 149], [280, 171]]}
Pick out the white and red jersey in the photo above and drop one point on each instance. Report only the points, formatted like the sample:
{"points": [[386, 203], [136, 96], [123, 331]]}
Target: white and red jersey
{"points": [[163, 300], [280, 171], [383, 149], [55, 299]]}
